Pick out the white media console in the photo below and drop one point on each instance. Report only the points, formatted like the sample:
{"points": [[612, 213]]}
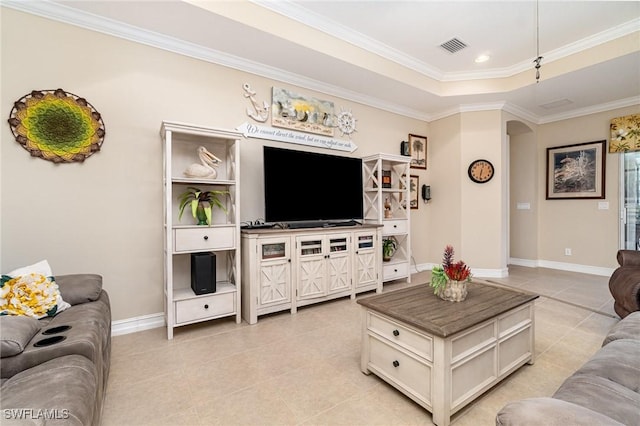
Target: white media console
{"points": [[283, 269]]}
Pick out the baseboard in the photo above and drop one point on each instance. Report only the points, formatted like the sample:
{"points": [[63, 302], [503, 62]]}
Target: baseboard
{"points": [[476, 272], [530, 263], [141, 323], [573, 267]]}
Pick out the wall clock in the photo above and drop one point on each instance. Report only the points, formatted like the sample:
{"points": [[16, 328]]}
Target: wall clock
{"points": [[481, 171]]}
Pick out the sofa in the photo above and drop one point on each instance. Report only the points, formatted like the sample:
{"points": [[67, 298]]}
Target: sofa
{"points": [[54, 370], [604, 391], [624, 283]]}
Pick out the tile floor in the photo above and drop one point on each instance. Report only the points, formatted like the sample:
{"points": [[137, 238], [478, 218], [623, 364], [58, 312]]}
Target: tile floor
{"points": [[303, 369]]}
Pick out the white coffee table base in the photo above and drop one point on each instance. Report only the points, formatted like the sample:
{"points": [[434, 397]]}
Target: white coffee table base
{"points": [[443, 374]]}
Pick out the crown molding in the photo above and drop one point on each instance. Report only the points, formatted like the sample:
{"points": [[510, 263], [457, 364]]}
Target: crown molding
{"points": [[114, 28], [622, 103], [320, 23], [68, 15]]}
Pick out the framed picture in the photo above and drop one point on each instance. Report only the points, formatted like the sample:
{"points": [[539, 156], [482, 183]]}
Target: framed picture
{"points": [[576, 171], [413, 191], [291, 110], [418, 151], [625, 134]]}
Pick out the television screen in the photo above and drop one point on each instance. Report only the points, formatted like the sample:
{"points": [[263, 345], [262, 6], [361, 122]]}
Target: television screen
{"points": [[307, 186]]}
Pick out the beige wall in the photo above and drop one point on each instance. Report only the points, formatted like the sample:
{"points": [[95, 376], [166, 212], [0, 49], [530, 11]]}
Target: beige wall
{"points": [[523, 186], [483, 204], [462, 213], [443, 212], [105, 215], [592, 234]]}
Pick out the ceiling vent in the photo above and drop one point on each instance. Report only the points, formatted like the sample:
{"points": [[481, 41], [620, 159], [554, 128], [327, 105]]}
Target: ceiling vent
{"points": [[453, 45], [556, 104]]}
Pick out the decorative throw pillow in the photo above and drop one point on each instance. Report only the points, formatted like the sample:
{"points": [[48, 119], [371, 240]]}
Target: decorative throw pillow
{"points": [[31, 291]]}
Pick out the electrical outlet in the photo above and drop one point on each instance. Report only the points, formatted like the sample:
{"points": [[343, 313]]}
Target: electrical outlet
{"points": [[567, 252]]}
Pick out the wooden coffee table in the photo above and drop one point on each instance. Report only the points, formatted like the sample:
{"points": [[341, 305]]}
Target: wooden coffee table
{"points": [[443, 354]]}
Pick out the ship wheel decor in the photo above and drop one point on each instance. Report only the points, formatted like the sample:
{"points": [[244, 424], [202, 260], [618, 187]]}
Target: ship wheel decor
{"points": [[57, 126]]}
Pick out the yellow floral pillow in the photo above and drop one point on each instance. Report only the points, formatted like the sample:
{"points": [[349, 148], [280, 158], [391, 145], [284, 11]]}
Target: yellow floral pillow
{"points": [[33, 295]]}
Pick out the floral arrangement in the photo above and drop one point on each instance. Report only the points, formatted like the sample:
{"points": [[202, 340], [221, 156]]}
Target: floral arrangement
{"points": [[32, 295], [449, 271]]}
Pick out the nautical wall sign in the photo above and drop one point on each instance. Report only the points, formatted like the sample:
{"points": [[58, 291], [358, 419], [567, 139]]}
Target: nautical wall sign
{"points": [[291, 136]]}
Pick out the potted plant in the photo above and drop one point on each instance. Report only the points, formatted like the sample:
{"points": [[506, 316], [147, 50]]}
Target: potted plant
{"points": [[389, 247], [449, 280], [201, 203]]}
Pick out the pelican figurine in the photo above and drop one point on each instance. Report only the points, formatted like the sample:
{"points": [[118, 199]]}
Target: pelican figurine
{"points": [[205, 170]]}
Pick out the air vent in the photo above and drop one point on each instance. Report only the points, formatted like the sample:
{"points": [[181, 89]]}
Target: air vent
{"points": [[556, 104], [453, 45]]}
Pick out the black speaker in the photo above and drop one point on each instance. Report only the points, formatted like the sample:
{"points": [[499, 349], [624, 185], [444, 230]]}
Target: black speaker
{"points": [[203, 273]]}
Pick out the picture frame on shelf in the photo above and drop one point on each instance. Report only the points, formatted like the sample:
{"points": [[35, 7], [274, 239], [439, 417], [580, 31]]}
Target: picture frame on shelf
{"points": [[576, 171], [386, 178], [418, 151]]}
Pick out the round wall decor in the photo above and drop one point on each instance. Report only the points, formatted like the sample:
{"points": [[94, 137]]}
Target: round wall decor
{"points": [[481, 171], [346, 123], [57, 126]]}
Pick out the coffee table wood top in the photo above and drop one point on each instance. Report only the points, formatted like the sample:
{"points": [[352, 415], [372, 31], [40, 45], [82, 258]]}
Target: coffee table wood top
{"points": [[419, 307]]}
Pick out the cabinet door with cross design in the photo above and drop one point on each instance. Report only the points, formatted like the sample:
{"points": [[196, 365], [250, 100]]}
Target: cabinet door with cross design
{"points": [[339, 263], [275, 271], [366, 264], [311, 268]]}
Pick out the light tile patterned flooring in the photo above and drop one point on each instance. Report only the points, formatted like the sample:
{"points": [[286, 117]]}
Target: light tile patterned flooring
{"points": [[304, 369]]}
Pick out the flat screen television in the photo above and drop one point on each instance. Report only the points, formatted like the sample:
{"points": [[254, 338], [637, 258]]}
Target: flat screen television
{"points": [[302, 186]]}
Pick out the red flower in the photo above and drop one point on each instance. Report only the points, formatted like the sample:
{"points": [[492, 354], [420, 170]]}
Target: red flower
{"points": [[458, 271]]}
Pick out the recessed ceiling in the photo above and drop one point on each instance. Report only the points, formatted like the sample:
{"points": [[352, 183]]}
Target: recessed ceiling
{"points": [[387, 53]]}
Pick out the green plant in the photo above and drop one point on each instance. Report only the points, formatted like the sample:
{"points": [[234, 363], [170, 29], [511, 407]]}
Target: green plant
{"points": [[389, 247], [449, 270], [438, 278], [201, 203]]}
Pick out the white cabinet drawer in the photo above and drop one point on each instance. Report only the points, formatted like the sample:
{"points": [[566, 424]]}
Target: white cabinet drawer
{"points": [[204, 238], [400, 335], [203, 307], [395, 270], [390, 227], [403, 370]]}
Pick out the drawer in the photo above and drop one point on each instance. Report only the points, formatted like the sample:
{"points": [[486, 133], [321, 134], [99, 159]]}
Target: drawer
{"points": [[403, 370], [390, 227], [419, 344], [211, 306], [395, 270], [514, 319], [471, 342], [204, 238]]}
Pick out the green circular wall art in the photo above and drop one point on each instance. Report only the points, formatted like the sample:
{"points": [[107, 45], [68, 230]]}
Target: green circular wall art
{"points": [[57, 126]]}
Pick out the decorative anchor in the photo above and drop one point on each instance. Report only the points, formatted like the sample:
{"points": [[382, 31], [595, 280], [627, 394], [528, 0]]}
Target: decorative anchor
{"points": [[259, 113]]}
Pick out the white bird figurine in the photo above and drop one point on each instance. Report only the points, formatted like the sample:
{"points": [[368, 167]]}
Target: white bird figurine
{"points": [[205, 170]]}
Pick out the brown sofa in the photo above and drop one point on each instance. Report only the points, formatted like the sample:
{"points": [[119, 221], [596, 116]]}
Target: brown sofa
{"points": [[63, 382], [624, 283]]}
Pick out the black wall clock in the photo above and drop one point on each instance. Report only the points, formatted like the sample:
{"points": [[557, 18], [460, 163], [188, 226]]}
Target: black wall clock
{"points": [[481, 171]]}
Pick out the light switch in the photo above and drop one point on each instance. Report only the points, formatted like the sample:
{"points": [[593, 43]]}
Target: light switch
{"points": [[603, 205], [523, 206]]}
